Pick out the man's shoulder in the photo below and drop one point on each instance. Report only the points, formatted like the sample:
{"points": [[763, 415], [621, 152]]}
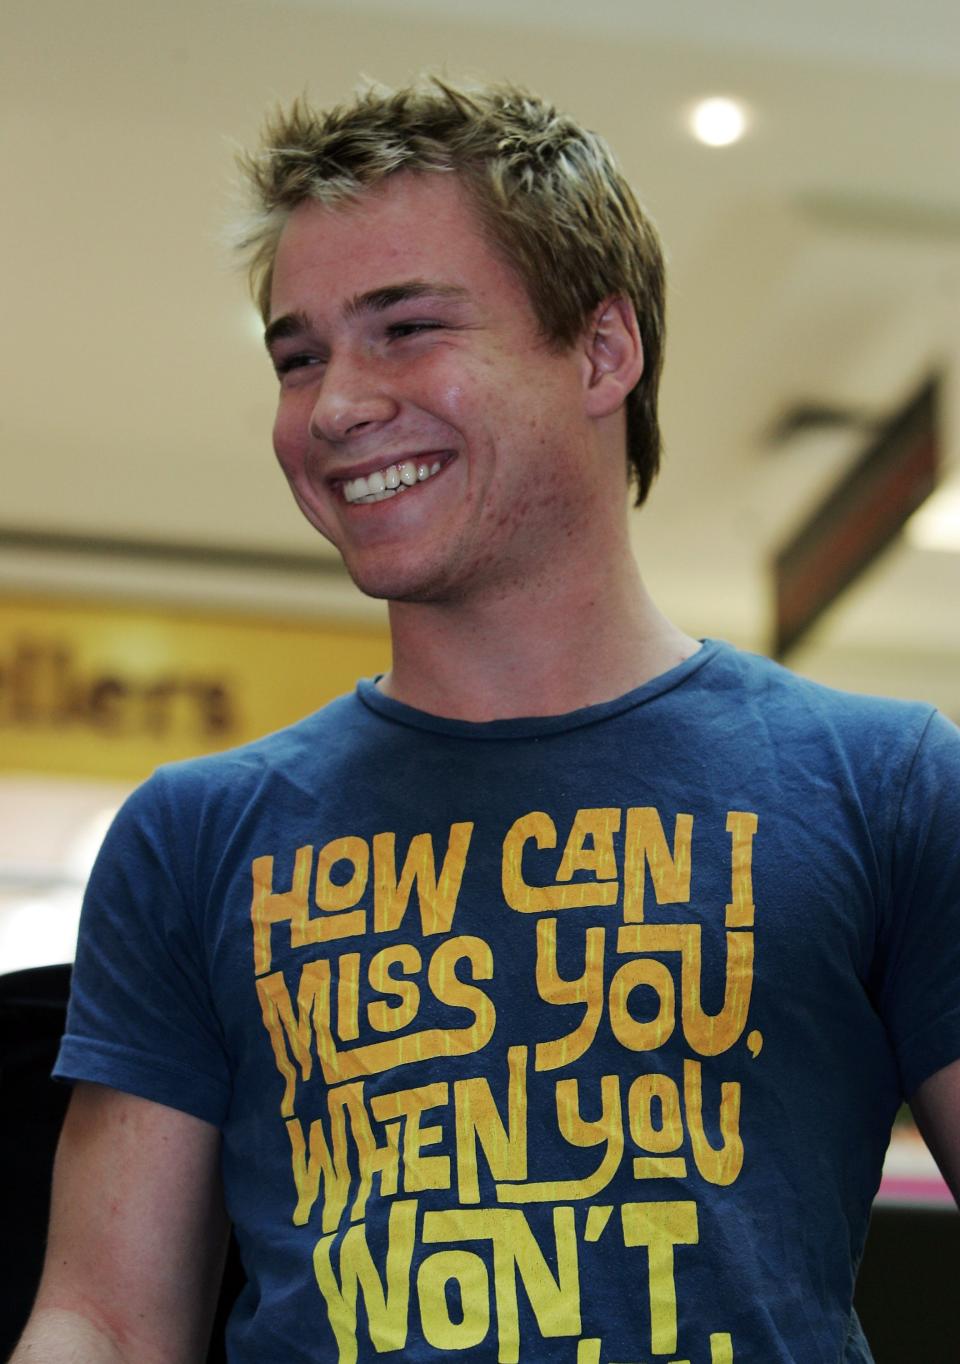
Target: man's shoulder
{"points": [[775, 711], [762, 682], [235, 775]]}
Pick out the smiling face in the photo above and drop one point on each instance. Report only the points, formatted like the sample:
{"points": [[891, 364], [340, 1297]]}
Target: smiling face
{"points": [[425, 426]]}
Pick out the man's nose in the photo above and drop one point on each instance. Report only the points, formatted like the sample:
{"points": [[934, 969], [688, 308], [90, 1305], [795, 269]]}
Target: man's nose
{"points": [[353, 396]]}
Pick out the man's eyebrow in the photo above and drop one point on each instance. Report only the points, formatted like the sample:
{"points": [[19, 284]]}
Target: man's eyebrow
{"points": [[290, 324], [373, 301], [378, 300]]}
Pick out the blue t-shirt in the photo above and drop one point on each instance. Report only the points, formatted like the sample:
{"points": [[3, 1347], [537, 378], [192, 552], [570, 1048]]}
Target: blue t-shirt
{"points": [[573, 1039]]}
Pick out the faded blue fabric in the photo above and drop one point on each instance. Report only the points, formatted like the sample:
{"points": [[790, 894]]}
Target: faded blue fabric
{"points": [[574, 1039]]}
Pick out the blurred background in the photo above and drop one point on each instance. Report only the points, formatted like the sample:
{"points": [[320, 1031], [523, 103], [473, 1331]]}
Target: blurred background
{"points": [[159, 593]]}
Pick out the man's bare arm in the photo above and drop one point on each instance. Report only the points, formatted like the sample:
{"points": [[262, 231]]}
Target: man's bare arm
{"points": [[936, 1107], [137, 1237]]}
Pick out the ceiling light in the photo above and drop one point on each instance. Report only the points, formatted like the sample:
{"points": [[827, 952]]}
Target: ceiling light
{"points": [[718, 121], [937, 523]]}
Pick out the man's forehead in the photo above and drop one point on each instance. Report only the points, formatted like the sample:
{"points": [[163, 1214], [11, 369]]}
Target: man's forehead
{"points": [[390, 218], [413, 234]]}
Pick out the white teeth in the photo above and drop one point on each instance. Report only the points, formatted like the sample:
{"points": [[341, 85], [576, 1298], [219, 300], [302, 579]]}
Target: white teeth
{"points": [[395, 478], [378, 497]]}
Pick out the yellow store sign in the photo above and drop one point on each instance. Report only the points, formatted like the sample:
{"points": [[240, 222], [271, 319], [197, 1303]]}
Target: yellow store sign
{"points": [[99, 689]]}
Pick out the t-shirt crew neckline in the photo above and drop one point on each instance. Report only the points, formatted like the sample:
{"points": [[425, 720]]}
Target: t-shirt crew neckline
{"points": [[535, 726]]}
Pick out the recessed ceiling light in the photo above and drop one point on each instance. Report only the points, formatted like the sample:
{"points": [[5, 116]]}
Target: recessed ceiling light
{"points": [[937, 524], [718, 121]]}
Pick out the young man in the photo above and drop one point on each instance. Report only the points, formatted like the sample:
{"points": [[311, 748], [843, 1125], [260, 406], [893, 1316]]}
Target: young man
{"points": [[551, 998]]}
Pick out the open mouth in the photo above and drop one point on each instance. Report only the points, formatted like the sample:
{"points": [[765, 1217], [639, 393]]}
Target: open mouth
{"points": [[388, 482]]}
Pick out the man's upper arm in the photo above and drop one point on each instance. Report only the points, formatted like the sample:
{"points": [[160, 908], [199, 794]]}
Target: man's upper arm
{"points": [[936, 1107], [137, 1230]]}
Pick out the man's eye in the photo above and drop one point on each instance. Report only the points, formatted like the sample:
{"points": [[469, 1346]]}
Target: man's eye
{"points": [[400, 329], [287, 363]]}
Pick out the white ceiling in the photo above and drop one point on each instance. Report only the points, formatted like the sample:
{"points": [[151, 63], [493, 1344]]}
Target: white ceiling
{"points": [[820, 258]]}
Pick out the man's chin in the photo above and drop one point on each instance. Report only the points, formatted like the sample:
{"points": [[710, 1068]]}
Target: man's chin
{"points": [[381, 584], [396, 586]]}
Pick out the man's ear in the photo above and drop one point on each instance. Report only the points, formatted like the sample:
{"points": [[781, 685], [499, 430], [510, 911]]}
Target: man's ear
{"points": [[613, 356]]}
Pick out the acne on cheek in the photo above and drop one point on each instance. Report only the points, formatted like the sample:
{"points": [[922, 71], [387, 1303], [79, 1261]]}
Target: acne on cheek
{"points": [[514, 516]]}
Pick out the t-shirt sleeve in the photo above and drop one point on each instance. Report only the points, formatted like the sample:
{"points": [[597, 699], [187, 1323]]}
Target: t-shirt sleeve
{"points": [[140, 1017], [920, 995]]}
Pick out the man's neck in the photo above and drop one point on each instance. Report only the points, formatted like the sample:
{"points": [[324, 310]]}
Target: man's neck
{"points": [[549, 650]]}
